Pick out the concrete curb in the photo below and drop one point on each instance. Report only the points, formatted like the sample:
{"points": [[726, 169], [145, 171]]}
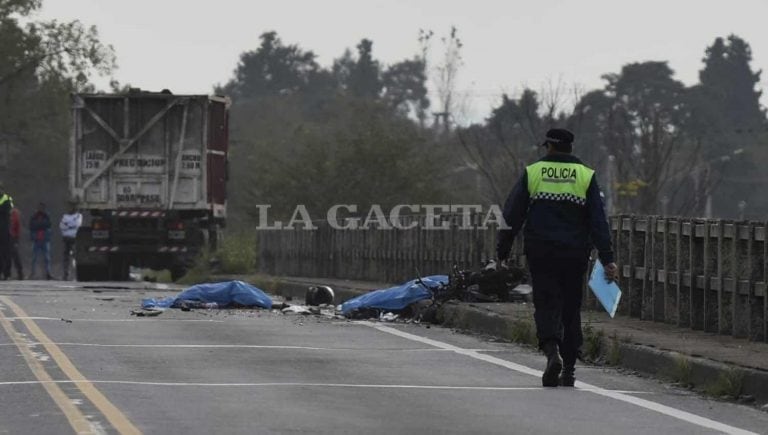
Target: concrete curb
{"points": [[519, 328], [699, 372]]}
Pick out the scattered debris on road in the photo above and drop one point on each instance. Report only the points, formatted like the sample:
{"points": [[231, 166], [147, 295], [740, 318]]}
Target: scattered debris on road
{"points": [[296, 309], [147, 312], [415, 301], [319, 295], [491, 284]]}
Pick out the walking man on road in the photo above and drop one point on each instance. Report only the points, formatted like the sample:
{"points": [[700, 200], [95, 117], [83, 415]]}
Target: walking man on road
{"points": [[70, 223], [6, 204], [15, 239], [40, 234], [559, 201]]}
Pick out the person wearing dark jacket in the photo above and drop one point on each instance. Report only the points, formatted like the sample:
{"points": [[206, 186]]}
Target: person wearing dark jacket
{"points": [[559, 202], [6, 204], [40, 235]]}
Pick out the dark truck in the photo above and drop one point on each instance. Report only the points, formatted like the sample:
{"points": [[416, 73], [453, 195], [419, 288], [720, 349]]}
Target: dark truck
{"points": [[149, 172]]}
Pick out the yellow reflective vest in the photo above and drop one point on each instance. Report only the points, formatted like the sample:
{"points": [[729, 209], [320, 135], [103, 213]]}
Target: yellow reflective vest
{"points": [[559, 181]]}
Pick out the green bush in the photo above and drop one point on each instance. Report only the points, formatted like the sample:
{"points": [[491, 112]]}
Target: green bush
{"points": [[237, 254]]}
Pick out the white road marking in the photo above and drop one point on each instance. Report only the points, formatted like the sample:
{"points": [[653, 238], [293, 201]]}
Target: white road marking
{"points": [[621, 396], [306, 384], [249, 346], [142, 320]]}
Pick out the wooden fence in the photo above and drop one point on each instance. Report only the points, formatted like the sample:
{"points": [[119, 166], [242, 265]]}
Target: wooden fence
{"points": [[702, 274]]}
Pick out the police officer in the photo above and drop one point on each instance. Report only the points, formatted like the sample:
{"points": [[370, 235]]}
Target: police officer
{"points": [[560, 203]]}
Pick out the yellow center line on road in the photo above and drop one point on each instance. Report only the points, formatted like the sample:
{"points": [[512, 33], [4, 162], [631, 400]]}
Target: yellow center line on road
{"points": [[76, 419], [115, 417]]}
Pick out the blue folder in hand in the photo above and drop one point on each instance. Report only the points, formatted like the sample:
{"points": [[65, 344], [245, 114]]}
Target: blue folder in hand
{"points": [[607, 292]]}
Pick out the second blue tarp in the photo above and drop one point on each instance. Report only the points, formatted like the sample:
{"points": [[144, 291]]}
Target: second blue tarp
{"points": [[223, 294], [395, 298]]}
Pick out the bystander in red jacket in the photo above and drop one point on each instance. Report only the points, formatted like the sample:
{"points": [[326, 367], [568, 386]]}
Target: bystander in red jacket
{"points": [[15, 224]]}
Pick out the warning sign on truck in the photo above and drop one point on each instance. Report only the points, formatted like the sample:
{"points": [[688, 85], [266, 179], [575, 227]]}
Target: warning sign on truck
{"points": [[140, 195], [191, 162], [143, 163], [93, 161]]}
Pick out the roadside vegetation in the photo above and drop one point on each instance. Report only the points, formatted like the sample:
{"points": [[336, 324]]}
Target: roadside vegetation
{"points": [[236, 255]]}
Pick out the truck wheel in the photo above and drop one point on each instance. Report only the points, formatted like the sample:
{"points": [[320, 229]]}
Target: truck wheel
{"points": [[118, 269], [87, 273], [84, 273]]}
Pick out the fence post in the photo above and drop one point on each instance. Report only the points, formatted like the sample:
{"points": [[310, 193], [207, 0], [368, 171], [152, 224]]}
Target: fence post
{"points": [[639, 257], [699, 264], [719, 309], [764, 326], [668, 301], [681, 301]]}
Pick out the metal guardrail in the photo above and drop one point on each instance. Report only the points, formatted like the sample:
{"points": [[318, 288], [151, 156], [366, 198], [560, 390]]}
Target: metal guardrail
{"points": [[706, 275]]}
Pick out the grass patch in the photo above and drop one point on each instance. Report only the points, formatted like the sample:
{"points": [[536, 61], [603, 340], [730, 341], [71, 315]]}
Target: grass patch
{"points": [[594, 341], [237, 253], [730, 383], [269, 285], [682, 372], [523, 332], [614, 351], [236, 256]]}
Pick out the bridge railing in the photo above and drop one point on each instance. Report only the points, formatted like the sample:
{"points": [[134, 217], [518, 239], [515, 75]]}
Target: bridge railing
{"points": [[706, 275]]}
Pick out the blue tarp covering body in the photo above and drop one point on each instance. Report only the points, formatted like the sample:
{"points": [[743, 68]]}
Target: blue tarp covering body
{"points": [[224, 294], [395, 298]]}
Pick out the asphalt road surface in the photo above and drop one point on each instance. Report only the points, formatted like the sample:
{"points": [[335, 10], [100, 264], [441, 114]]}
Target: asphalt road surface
{"points": [[73, 360]]}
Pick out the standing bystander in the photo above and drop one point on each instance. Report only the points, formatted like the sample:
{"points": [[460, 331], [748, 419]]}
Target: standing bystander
{"points": [[40, 234], [70, 223], [6, 204]]}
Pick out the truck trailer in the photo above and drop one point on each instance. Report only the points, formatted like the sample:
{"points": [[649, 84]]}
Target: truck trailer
{"points": [[149, 172]]}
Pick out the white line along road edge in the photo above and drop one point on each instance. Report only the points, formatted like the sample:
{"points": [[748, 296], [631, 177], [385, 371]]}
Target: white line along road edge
{"points": [[647, 404]]}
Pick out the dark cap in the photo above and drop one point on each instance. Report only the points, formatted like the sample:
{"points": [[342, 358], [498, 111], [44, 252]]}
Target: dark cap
{"points": [[558, 136]]}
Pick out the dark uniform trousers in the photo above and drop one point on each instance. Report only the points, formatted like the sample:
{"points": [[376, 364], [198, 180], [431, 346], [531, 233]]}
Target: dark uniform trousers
{"points": [[557, 293], [5, 254]]}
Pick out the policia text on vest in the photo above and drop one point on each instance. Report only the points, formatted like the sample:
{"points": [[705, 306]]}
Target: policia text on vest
{"points": [[559, 181]]}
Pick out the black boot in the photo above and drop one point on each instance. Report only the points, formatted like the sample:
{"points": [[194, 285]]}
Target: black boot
{"points": [[554, 365], [568, 376]]}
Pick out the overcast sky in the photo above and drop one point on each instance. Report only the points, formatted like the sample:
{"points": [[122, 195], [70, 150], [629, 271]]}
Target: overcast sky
{"points": [[188, 45]]}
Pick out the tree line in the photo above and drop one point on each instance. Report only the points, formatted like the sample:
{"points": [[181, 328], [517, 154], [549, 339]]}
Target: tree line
{"points": [[41, 62], [363, 132]]}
